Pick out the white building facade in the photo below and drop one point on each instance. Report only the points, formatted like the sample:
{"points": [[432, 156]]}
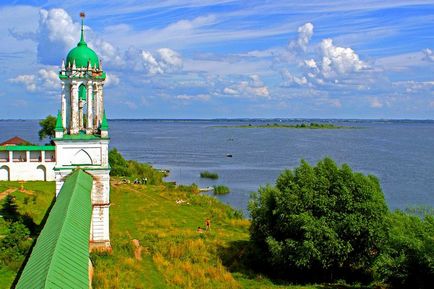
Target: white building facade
{"points": [[27, 163]]}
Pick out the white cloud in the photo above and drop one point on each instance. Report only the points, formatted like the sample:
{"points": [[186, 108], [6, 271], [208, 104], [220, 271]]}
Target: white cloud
{"points": [[305, 32], [289, 79], [252, 88], [198, 97], [27, 80], [338, 60], [163, 61], [428, 55], [311, 63], [111, 79], [45, 80], [57, 33]]}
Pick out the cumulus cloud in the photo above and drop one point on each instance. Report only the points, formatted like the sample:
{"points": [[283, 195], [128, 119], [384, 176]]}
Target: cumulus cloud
{"points": [[289, 79], [111, 79], [338, 60], [428, 55], [305, 33], [164, 60], [27, 80], [44, 80], [251, 88], [57, 33]]}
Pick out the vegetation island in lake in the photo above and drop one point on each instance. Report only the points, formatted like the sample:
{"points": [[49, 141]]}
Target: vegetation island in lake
{"points": [[312, 125]]}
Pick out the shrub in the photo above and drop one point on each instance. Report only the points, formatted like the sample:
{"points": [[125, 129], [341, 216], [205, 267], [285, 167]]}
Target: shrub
{"points": [[221, 190], [133, 169], [407, 257], [119, 166], [321, 222], [14, 245], [209, 175]]}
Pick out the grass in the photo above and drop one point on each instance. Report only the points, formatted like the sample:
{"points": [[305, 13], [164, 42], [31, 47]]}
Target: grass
{"points": [[312, 125], [221, 190], [209, 175], [174, 254], [33, 200]]}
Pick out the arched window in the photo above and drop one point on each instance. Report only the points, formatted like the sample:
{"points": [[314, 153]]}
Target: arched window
{"points": [[41, 173], [5, 173], [82, 92]]}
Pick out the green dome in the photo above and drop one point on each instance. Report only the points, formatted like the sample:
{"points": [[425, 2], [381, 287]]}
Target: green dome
{"points": [[82, 54]]}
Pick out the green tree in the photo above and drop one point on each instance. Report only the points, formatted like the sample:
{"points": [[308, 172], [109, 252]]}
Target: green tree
{"points": [[407, 259], [323, 222], [47, 127], [133, 169], [119, 166], [14, 245], [10, 209]]}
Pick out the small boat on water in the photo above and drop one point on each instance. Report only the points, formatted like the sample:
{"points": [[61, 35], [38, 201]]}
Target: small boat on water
{"points": [[207, 189], [229, 155]]}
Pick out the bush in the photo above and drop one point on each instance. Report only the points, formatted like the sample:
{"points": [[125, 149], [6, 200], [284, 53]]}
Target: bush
{"points": [[221, 190], [133, 169], [14, 245], [119, 166], [407, 260], [209, 175], [321, 223]]}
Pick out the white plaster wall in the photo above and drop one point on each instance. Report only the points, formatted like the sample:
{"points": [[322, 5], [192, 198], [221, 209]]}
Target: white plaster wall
{"points": [[71, 152], [100, 224], [27, 171]]}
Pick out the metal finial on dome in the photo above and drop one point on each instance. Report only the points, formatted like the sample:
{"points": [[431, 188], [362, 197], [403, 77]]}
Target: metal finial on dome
{"points": [[82, 16]]}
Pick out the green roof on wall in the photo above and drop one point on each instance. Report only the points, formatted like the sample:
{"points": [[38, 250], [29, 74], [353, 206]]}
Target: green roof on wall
{"points": [[27, 148], [60, 258]]}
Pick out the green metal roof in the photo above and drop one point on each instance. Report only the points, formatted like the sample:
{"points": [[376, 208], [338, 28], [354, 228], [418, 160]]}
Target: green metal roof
{"points": [[59, 125], [60, 258], [82, 54], [104, 123], [27, 148], [81, 136]]}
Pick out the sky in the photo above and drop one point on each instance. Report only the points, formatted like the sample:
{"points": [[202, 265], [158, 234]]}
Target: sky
{"points": [[226, 59]]}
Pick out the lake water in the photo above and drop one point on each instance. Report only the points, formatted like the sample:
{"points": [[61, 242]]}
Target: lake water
{"points": [[399, 153]]}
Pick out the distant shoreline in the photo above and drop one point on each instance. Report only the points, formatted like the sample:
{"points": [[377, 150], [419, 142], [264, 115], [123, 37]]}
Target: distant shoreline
{"points": [[312, 125]]}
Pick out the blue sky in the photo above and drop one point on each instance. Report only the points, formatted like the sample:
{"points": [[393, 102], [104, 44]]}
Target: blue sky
{"points": [[226, 59]]}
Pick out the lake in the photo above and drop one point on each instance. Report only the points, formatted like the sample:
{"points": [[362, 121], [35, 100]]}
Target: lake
{"points": [[399, 153]]}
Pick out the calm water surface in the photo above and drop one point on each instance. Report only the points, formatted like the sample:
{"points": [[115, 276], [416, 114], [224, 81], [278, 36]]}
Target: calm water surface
{"points": [[400, 153]]}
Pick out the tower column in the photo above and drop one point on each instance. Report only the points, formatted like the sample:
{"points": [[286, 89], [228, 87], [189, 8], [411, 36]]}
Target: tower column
{"points": [[89, 129], [74, 108], [101, 103], [95, 106], [63, 105]]}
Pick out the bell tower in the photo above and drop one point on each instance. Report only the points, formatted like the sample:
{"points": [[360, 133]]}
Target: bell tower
{"points": [[81, 132]]}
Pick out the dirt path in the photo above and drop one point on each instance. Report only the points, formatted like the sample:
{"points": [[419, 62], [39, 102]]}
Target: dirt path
{"points": [[7, 192]]}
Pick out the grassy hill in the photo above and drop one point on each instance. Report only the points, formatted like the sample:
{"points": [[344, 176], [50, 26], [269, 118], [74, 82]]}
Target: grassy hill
{"points": [[167, 251], [173, 254], [33, 200]]}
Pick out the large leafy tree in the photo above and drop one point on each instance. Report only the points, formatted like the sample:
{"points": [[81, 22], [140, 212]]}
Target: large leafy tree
{"points": [[407, 260], [47, 127], [323, 222]]}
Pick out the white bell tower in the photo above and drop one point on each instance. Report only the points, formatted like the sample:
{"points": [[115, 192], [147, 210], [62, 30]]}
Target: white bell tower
{"points": [[81, 133]]}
